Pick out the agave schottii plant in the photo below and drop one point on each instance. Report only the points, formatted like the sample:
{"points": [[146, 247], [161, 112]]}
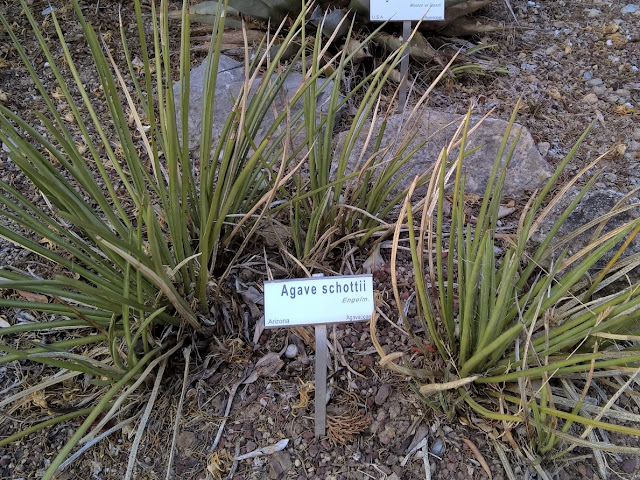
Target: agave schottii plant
{"points": [[527, 335], [135, 226]]}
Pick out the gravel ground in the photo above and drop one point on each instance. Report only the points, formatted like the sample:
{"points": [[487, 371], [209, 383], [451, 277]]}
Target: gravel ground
{"points": [[571, 63]]}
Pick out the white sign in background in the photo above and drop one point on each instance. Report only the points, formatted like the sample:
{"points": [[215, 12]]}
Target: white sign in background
{"points": [[403, 10], [318, 300]]}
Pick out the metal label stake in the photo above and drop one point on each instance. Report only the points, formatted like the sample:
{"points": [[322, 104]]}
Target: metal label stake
{"points": [[322, 358], [405, 11], [404, 67]]}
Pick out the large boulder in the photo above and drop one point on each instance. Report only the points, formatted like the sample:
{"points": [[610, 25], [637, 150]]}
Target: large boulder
{"points": [[527, 170], [229, 83]]}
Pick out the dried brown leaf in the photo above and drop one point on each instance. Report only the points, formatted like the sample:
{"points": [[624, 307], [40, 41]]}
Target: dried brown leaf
{"points": [[33, 297], [267, 366], [478, 456]]}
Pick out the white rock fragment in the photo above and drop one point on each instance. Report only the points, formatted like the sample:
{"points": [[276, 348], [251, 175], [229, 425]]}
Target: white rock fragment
{"points": [[268, 450], [291, 351], [543, 148]]}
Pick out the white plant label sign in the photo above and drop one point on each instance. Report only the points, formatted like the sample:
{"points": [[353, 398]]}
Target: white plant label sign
{"points": [[318, 300], [403, 10]]}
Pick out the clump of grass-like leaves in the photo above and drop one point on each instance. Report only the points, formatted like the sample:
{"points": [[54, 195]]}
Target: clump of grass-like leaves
{"points": [[137, 228], [533, 324]]}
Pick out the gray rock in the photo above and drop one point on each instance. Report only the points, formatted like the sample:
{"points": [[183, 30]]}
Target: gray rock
{"points": [[280, 465], [228, 84], [630, 8], [231, 76], [438, 447], [629, 464], [594, 205], [527, 170], [383, 393]]}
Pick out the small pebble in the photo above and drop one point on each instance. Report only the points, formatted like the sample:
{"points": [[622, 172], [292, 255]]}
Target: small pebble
{"points": [[629, 465], [438, 447], [383, 393], [385, 437], [291, 351], [590, 98], [543, 148], [368, 361]]}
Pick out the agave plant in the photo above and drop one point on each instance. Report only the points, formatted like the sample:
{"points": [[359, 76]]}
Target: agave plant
{"points": [[138, 232], [537, 325]]}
